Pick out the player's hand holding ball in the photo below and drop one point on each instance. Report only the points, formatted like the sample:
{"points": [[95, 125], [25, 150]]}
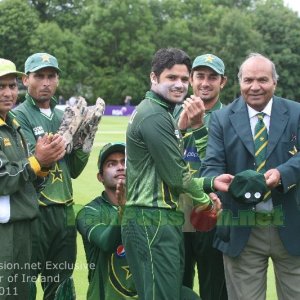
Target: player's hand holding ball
{"points": [[204, 219]]}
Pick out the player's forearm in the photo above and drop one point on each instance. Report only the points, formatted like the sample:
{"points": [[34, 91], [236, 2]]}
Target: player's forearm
{"points": [[16, 174], [107, 238], [198, 189], [77, 161]]}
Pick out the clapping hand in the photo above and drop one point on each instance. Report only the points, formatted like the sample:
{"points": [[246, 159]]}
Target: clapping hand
{"points": [[49, 149], [192, 114]]}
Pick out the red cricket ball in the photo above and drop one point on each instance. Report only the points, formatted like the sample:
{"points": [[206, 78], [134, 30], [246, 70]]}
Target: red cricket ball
{"points": [[204, 220]]}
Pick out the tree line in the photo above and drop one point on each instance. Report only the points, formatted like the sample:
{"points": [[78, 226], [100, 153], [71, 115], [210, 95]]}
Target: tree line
{"points": [[105, 47]]}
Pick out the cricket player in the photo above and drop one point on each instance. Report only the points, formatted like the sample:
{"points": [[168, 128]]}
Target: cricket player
{"points": [[22, 175], [99, 224], [54, 232], [156, 175], [207, 80]]}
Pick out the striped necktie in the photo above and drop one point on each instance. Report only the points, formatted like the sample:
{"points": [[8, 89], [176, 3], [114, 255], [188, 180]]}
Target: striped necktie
{"points": [[260, 144]]}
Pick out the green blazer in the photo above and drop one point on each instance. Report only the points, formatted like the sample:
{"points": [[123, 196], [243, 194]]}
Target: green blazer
{"points": [[230, 149]]}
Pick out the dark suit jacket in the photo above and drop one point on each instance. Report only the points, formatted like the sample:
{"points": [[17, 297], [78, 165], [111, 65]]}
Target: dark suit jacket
{"points": [[230, 149]]}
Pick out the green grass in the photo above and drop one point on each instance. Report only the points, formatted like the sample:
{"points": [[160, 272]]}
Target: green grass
{"points": [[86, 187]]}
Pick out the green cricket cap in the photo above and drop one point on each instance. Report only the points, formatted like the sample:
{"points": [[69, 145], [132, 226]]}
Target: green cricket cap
{"points": [[8, 67], [248, 187], [39, 61], [211, 61], [107, 150]]}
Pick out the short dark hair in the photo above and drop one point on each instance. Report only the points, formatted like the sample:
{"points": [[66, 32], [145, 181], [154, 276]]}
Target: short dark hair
{"points": [[166, 58]]}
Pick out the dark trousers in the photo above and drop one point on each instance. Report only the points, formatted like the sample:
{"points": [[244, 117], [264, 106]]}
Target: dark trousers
{"points": [[15, 253], [153, 241], [209, 261], [54, 251]]}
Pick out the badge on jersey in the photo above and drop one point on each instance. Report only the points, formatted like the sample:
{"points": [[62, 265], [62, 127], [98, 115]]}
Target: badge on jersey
{"points": [[120, 277], [191, 154], [38, 131], [120, 251]]}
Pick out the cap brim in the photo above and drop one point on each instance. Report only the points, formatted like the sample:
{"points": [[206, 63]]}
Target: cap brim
{"points": [[112, 149], [43, 67], [207, 65], [17, 73]]}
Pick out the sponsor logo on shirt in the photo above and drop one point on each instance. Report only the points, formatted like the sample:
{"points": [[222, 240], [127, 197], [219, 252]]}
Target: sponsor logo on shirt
{"points": [[38, 131], [120, 251], [120, 277], [191, 154]]}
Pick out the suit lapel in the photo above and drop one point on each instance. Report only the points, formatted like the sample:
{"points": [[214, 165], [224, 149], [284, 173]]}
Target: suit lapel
{"points": [[241, 124], [279, 119]]}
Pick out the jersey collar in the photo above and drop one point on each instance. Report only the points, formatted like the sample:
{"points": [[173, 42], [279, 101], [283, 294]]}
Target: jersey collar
{"points": [[10, 120], [160, 100], [53, 101], [218, 105]]}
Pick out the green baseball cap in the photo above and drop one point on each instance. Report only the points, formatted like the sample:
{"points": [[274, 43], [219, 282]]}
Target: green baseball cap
{"points": [[107, 150], [248, 187], [211, 61], [39, 61], [8, 67]]}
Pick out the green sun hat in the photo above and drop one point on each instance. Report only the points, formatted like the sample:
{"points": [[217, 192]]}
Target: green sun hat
{"points": [[39, 61], [248, 187], [211, 61], [8, 67], [107, 150]]}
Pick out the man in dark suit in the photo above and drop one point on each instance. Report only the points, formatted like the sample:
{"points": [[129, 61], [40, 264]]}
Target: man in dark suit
{"points": [[248, 234]]}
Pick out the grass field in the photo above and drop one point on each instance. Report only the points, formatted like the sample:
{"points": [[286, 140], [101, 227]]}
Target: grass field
{"points": [[86, 187]]}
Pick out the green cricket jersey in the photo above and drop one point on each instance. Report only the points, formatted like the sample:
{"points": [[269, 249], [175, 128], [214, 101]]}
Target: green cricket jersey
{"points": [[156, 173], [18, 172], [195, 141], [109, 274], [58, 189]]}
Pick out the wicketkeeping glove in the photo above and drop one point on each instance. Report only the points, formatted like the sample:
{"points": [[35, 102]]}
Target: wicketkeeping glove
{"points": [[85, 135], [72, 118]]}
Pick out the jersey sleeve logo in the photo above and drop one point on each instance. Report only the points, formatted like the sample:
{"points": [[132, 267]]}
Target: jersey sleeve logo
{"points": [[120, 251], [56, 173], [120, 276]]}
